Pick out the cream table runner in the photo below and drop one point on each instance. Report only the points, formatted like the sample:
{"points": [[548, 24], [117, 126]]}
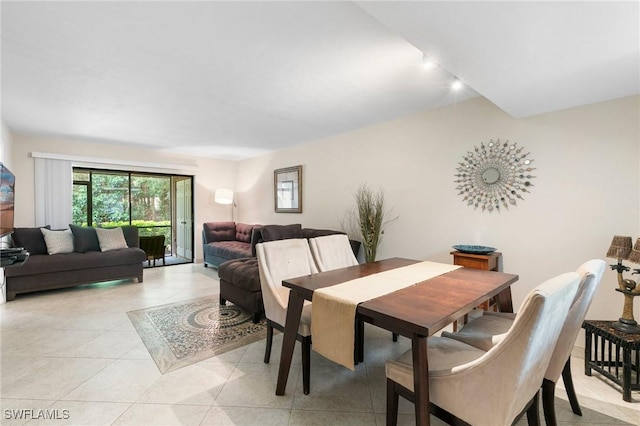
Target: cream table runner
{"points": [[334, 308]]}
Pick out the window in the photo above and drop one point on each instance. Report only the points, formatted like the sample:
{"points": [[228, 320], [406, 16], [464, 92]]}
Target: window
{"points": [[108, 199]]}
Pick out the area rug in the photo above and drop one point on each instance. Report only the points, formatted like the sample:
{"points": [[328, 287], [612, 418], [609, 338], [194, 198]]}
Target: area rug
{"points": [[183, 333]]}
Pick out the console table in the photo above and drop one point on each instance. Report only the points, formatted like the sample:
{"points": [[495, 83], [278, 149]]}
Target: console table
{"points": [[603, 345], [486, 262]]}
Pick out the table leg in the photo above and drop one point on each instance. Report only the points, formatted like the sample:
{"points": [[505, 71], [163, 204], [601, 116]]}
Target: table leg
{"points": [[421, 380], [505, 303], [294, 311]]}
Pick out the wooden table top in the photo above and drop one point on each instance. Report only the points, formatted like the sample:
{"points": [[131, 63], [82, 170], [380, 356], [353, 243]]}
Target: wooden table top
{"points": [[423, 308]]}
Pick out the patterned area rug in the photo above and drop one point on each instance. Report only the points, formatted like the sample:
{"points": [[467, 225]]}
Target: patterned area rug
{"points": [[183, 333]]}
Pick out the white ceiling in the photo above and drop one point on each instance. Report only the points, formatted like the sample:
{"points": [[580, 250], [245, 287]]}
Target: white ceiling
{"points": [[238, 79]]}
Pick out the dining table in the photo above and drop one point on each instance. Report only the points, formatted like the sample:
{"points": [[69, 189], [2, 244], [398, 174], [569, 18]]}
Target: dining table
{"points": [[417, 311]]}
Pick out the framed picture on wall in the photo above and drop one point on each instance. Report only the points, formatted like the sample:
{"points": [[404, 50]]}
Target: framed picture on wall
{"points": [[287, 189]]}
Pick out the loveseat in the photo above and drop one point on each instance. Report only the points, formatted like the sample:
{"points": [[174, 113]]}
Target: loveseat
{"points": [[240, 278], [222, 241], [86, 264]]}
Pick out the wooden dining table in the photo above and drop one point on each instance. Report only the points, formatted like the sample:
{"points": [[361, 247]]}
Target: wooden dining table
{"points": [[416, 312]]}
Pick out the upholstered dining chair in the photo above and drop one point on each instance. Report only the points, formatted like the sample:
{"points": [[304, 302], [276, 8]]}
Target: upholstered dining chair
{"points": [[277, 261], [487, 330], [332, 252], [470, 386]]}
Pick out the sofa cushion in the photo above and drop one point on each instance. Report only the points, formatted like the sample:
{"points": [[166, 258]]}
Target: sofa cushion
{"points": [[111, 239], [44, 264], [84, 239], [281, 232], [313, 233], [219, 231], [228, 249], [243, 232], [58, 242], [30, 239], [242, 273]]}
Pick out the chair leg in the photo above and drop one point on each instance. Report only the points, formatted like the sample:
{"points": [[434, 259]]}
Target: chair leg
{"points": [[394, 337], [267, 351], [223, 301], [533, 416], [257, 316], [306, 364], [568, 385], [392, 404], [548, 396]]}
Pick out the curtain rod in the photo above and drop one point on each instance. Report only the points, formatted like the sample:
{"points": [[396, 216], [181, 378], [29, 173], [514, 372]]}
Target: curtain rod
{"points": [[97, 160]]}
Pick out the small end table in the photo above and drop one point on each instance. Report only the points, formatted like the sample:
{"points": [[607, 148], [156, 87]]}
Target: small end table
{"points": [[486, 262], [603, 345]]}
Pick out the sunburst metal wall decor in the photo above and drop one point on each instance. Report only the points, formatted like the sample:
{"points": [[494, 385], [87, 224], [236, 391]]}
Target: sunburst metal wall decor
{"points": [[494, 175]]}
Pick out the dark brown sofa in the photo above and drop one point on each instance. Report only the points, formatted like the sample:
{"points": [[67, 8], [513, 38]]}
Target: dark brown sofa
{"points": [[240, 279], [223, 241], [85, 265]]}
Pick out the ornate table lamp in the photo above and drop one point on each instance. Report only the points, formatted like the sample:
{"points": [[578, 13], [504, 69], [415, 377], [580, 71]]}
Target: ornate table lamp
{"points": [[621, 249]]}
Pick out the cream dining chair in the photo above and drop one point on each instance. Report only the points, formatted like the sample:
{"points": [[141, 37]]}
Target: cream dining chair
{"points": [[469, 385], [332, 252], [487, 330], [277, 261]]}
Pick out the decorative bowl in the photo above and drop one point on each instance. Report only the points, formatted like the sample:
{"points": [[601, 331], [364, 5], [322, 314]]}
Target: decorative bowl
{"points": [[474, 249]]}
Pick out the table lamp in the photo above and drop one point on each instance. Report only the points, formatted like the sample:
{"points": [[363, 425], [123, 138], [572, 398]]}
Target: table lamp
{"points": [[621, 249]]}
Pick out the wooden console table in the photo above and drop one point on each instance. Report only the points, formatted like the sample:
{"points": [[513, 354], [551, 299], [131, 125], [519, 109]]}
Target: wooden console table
{"points": [[486, 262], [603, 345]]}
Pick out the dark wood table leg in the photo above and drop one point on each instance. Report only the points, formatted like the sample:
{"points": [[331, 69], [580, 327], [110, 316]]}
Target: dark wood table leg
{"points": [[421, 380], [294, 311], [505, 303]]}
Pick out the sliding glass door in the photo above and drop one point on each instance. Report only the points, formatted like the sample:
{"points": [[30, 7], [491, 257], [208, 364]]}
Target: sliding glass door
{"points": [[157, 204]]}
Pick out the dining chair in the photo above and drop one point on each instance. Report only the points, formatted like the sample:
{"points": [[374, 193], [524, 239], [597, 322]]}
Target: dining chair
{"points": [[332, 252], [487, 330], [277, 261], [470, 386]]}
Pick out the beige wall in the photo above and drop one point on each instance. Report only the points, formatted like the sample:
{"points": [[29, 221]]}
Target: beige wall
{"points": [[209, 174], [587, 187]]}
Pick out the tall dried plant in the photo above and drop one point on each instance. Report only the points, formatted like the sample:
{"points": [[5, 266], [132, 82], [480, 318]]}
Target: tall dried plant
{"points": [[371, 217]]}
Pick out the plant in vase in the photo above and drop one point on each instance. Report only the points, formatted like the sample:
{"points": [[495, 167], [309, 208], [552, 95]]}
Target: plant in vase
{"points": [[371, 219]]}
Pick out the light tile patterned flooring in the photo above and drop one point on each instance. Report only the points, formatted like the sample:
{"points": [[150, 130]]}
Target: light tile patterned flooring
{"points": [[74, 353]]}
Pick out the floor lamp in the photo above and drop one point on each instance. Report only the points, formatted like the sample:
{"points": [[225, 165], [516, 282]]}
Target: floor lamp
{"points": [[225, 196]]}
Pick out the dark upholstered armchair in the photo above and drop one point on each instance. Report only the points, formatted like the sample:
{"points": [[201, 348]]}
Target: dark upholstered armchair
{"points": [[154, 248]]}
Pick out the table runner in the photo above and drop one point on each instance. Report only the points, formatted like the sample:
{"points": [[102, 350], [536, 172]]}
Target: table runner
{"points": [[334, 308]]}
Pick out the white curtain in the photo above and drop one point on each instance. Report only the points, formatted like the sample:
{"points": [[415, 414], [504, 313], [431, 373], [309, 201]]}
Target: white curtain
{"points": [[53, 191]]}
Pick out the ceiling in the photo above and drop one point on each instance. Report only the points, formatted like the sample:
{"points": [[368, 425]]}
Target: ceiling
{"points": [[234, 80]]}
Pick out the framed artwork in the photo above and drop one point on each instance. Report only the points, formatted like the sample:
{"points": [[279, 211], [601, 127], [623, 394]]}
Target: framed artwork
{"points": [[287, 190]]}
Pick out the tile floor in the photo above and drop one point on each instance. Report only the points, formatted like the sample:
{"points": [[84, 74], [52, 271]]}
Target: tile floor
{"points": [[74, 355]]}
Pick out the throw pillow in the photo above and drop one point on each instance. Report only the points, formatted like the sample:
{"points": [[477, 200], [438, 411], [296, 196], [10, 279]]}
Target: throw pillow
{"points": [[58, 241], [281, 232], [84, 239], [30, 239], [111, 239]]}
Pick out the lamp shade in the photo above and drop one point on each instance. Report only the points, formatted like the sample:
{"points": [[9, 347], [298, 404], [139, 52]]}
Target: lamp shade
{"points": [[634, 256], [223, 196], [620, 247]]}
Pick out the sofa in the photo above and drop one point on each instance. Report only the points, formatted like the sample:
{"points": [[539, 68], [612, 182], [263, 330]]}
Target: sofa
{"points": [[240, 278], [223, 241], [87, 263]]}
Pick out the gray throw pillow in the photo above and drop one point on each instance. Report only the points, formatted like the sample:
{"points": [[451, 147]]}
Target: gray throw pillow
{"points": [[111, 239], [84, 239], [58, 241]]}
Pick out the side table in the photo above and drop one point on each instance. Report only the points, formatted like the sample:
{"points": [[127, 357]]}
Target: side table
{"points": [[486, 262], [603, 345]]}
